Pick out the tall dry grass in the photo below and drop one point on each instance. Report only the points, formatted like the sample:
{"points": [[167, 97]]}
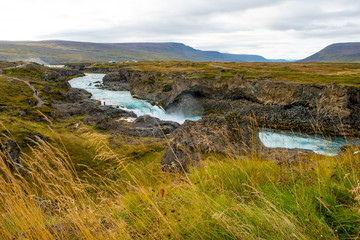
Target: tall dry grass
{"points": [[226, 198]]}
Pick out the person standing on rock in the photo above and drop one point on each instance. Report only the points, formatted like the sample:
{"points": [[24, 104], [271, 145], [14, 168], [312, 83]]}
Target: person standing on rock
{"points": [[35, 92]]}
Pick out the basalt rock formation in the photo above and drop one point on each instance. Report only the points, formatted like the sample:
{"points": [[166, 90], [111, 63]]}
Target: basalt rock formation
{"points": [[328, 109], [141, 84], [117, 81], [331, 108]]}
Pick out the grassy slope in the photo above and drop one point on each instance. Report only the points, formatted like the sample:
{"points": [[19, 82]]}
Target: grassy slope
{"points": [[95, 185]]}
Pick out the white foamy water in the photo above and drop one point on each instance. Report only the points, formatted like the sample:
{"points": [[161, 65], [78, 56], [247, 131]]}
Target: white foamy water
{"points": [[123, 99], [327, 146], [54, 66]]}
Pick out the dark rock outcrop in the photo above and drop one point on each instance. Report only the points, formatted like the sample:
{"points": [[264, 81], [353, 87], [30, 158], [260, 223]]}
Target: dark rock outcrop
{"points": [[117, 81], [60, 75], [231, 135], [142, 84], [87, 107], [76, 95], [144, 126], [12, 153], [147, 126]]}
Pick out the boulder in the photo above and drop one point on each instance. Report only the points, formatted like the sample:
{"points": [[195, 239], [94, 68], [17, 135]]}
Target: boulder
{"points": [[147, 126], [102, 121], [76, 95], [231, 135], [114, 112]]}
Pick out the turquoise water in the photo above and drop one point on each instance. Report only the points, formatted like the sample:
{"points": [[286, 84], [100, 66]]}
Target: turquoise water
{"points": [[125, 101], [318, 144]]}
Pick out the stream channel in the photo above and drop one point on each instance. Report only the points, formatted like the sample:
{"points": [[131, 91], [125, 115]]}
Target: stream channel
{"points": [[124, 100]]}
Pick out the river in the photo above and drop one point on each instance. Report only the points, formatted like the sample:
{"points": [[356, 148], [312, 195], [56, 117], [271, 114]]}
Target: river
{"points": [[125, 101]]}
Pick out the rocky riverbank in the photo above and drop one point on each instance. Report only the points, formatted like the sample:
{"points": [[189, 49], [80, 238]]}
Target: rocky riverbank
{"points": [[78, 103], [326, 109]]}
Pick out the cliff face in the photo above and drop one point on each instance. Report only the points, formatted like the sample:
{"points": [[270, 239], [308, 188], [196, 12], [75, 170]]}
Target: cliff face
{"points": [[331, 100], [332, 109]]}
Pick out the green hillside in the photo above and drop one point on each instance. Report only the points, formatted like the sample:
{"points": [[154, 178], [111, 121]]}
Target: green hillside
{"points": [[66, 51], [338, 52]]}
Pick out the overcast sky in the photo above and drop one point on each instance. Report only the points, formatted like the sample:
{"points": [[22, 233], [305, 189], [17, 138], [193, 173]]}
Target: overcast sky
{"points": [[291, 29]]}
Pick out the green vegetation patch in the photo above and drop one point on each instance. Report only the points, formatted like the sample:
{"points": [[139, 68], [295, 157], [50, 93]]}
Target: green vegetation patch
{"points": [[320, 73], [14, 93]]}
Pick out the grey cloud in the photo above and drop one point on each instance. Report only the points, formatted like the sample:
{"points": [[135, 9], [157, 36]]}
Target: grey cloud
{"points": [[152, 28], [351, 32], [316, 22], [190, 21], [205, 7]]}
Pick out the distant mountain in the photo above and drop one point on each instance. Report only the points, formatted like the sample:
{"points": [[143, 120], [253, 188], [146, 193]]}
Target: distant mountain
{"points": [[69, 51], [338, 52]]}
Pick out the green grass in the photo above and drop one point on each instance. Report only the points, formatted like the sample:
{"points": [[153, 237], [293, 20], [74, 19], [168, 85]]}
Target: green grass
{"points": [[14, 93], [320, 73]]}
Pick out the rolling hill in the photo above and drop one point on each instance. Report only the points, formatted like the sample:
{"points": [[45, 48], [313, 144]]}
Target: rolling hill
{"points": [[337, 52], [69, 51]]}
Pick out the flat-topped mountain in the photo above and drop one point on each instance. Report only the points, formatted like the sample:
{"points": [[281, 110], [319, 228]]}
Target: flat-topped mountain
{"points": [[69, 51], [337, 52]]}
